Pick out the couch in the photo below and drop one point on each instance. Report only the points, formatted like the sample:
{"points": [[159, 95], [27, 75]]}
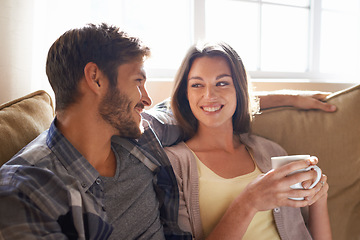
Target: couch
{"points": [[333, 137]]}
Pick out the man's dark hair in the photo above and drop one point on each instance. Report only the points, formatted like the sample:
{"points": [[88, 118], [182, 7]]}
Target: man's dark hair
{"points": [[104, 45]]}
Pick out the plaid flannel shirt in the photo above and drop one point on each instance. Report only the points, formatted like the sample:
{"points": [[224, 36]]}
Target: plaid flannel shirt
{"points": [[50, 189]]}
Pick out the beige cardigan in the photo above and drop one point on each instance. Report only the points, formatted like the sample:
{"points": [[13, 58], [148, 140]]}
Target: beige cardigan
{"points": [[289, 221]]}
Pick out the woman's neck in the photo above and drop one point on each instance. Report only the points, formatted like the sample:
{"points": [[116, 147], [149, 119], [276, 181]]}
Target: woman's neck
{"points": [[207, 139]]}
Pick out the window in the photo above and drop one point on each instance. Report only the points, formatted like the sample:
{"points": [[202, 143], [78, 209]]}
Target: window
{"points": [[292, 39], [317, 40], [340, 45]]}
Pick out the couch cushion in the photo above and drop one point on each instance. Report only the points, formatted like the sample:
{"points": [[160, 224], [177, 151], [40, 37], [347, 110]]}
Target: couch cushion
{"points": [[335, 139], [22, 120]]}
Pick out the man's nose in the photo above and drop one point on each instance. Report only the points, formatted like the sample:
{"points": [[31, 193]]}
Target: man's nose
{"points": [[145, 98]]}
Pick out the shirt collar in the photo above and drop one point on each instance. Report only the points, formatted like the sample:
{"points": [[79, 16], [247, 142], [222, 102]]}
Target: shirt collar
{"points": [[70, 157]]}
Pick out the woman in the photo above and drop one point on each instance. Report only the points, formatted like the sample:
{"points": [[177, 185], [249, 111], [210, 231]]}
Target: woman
{"points": [[227, 190]]}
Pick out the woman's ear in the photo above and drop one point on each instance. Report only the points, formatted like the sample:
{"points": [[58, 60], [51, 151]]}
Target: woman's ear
{"points": [[93, 77]]}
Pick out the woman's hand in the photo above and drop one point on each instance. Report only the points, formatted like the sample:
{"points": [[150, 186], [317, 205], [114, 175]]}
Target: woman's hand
{"points": [[273, 190], [321, 190]]}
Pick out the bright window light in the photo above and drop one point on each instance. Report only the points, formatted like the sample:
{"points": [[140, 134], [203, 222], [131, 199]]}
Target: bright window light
{"points": [[163, 25], [277, 39], [340, 40], [236, 23], [285, 35]]}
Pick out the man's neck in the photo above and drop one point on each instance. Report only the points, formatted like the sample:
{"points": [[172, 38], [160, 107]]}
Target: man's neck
{"points": [[91, 137]]}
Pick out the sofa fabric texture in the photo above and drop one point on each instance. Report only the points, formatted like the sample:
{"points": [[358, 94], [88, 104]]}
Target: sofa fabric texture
{"points": [[22, 120], [335, 139]]}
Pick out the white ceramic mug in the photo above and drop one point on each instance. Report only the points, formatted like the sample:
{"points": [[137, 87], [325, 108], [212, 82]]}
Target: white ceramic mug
{"points": [[277, 162]]}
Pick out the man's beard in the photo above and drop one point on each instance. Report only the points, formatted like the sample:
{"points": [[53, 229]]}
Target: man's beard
{"points": [[116, 109]]}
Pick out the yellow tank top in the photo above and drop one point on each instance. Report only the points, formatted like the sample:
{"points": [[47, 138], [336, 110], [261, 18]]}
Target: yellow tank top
{"points": [[217, 193]]}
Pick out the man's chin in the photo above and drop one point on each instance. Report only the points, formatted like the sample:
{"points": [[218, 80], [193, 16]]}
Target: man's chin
{"points": [[139, 133], [133, 133]]}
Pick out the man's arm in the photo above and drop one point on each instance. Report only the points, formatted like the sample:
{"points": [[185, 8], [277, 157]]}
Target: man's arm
{"points": [[22, 201], [17, 220], [163, 123], [295, 99]]}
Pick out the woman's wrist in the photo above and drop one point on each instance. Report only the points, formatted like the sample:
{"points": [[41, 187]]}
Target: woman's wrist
{"points": [[321, 202]]}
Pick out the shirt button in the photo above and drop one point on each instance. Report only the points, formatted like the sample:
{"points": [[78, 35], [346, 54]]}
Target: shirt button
{"points": [[277, 210], [98, 181], [104, 208], [83, 185]]}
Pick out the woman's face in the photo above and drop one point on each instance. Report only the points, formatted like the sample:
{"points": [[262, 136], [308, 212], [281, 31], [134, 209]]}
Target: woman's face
{"points": [[211, 92]]}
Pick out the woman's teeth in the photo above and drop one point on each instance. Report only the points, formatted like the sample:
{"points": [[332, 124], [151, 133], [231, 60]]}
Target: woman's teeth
{"points": [[211, 109]]}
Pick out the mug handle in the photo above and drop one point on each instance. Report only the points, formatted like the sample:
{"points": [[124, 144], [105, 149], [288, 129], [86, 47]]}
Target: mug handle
{"points": [[299, 186], [318, 177]]}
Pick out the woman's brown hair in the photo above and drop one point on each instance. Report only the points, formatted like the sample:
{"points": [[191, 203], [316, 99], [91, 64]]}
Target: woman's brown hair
{"points": [[179, 101]]}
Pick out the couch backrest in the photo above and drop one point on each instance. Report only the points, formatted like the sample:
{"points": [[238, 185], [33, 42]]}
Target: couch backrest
{"points": [[335, 139], [22, 120]]}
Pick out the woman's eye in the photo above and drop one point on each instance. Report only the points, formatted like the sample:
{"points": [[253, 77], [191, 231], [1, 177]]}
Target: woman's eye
{"points": [[222, 84]]}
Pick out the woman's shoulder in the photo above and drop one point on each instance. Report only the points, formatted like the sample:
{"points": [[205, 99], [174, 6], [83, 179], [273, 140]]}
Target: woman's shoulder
{"points": [[182, 160], [177, 149], [179, 152], [258, 142]]}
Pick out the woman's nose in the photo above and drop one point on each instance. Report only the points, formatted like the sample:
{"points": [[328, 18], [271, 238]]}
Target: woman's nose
{"points": [[210, 92]]}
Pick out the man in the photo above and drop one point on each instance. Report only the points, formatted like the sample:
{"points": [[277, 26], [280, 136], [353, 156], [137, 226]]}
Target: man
{"points": [[86, 177], [75, 181]]}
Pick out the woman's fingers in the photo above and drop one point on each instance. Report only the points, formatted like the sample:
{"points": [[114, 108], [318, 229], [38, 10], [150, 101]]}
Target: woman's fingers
{"points": [[273, 188], [296, 165], [321, 188]]}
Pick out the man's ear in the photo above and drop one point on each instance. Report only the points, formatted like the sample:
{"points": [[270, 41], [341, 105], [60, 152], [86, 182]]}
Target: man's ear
{"points": [[93, 77]]}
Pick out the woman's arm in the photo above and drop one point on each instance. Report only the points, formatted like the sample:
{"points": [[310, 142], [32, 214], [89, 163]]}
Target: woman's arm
{"points": [[319, 222]]}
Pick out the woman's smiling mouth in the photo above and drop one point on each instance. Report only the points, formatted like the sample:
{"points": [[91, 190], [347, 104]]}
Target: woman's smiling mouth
{"points": [[212, 108]]}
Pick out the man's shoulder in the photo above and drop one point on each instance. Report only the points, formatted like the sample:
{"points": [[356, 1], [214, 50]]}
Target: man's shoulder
{"points": [[32, 168], [34, 186], [32, 154], [19, 175]]}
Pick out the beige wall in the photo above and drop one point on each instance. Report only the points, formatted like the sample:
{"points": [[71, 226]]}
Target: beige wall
{"points": [[16, 24]]}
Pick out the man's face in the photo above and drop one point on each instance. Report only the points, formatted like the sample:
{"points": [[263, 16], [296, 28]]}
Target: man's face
{"points": [[121, 107]]}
